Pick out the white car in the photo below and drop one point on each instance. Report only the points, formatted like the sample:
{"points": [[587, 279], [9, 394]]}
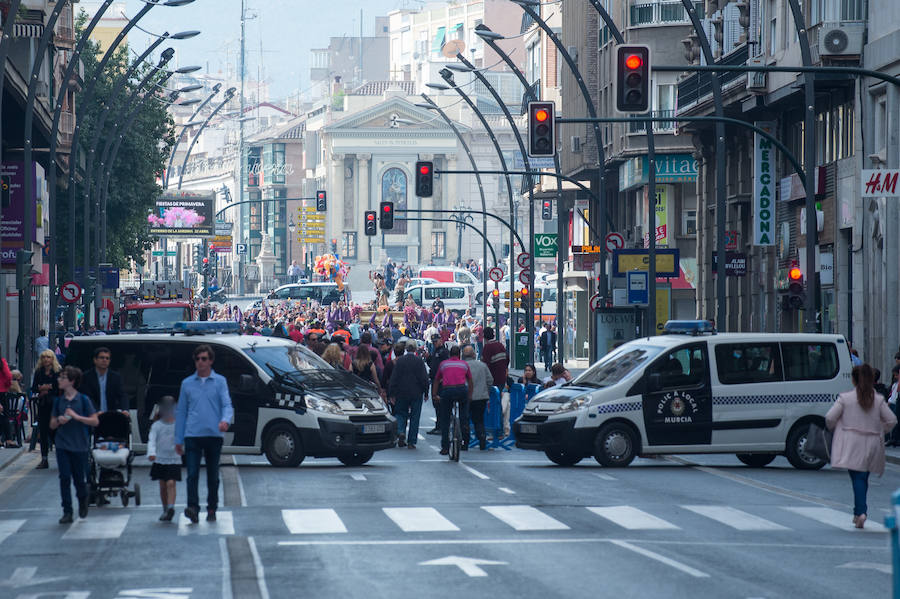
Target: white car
{"points": [[456, 298]]}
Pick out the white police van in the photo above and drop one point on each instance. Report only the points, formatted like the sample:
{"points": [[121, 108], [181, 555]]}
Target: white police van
{"points": [[288, 402], [693, 391]]}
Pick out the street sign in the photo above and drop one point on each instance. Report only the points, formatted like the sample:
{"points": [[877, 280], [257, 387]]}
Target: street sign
{"points": [[169, 253], [667, 264], [614, 241], [496, 274], [595, 301], [525, 277], [638, 284], [70, 292], [223, 228], [523, 260], [545, 245], [241, 249]]}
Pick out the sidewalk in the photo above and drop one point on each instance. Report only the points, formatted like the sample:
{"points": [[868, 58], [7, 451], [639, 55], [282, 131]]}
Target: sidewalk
{"points": [[892, 454], [7, 455]]}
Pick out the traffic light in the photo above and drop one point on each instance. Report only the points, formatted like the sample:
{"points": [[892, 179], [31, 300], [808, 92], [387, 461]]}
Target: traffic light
{"points": [[495, 296], [541, 129], [334, 246], [387, 216], [547, 210], [197, 257], [205, 268], [321, 201], [424, 179], [371, 227], [23, 269], [795, 293], [633, 78]]}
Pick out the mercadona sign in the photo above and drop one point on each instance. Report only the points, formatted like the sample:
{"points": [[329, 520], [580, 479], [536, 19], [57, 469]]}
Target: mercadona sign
{"points": [[763, 187]]}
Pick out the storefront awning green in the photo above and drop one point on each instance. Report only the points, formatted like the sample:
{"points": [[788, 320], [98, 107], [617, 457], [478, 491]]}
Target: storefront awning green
{"points": [[439, 39]]}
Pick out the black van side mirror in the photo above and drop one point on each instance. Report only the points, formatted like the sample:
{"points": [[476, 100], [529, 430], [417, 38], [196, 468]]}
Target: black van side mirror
{"points": [[247, 384], [654, 382]]}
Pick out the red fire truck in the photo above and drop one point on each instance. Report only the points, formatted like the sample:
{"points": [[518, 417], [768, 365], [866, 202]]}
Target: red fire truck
{"points": [[156, 306]]}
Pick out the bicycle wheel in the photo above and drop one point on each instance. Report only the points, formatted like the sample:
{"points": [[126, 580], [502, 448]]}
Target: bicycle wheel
{"points": [[454, 434]]}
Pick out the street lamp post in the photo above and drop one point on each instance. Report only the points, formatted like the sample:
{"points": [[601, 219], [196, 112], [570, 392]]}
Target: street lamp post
{"points": [[292, 228], [215, 90]]}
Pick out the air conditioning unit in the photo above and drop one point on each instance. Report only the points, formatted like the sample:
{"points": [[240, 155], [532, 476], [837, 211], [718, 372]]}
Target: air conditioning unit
{"points": [[576, 144], [42, 90], [841, 39], [756, 82]]}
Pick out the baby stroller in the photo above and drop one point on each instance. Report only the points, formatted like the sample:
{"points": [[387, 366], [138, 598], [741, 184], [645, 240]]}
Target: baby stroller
{"points": [[12, 419], [110, 461]]}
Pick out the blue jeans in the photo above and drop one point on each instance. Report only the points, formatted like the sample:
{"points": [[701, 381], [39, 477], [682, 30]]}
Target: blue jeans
{"points": [[449, 395], [860, 482], [408, 410], [209, 448], [73, 467]]}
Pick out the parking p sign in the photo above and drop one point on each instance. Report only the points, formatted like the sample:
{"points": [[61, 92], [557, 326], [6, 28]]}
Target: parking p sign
{"points": [[545, 245]]}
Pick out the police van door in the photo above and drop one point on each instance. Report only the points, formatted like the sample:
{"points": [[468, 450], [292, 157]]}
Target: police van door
{"points": [[678, 399]]}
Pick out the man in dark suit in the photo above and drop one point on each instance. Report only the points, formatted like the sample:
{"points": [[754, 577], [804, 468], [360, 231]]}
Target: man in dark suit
{"points": [[104, 386]]}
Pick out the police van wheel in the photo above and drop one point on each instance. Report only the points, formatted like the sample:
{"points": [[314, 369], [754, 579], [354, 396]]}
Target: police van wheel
{"points": [[356, 458], [561, 457], [614, 445], [798, 458], [756, 460], [283, 446]]}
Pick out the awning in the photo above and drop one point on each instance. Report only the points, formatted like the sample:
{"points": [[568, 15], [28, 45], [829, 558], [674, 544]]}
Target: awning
{"points": [[438, 39], [455, 28], [677, 283], [28, 30]]}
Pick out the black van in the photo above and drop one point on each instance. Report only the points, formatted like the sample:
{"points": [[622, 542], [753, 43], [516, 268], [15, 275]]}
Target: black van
{"points": [[288, 403]]}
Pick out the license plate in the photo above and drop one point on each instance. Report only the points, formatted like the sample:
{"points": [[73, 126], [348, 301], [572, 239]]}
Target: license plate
{"points": [[528, 429], [370, 429]]}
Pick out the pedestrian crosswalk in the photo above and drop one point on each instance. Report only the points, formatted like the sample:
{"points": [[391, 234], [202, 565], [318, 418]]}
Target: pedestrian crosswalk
{"points": [[675, 520]]}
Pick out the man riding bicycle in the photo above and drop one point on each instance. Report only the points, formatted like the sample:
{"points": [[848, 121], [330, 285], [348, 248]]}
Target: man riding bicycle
{"points": [[452, 383]]}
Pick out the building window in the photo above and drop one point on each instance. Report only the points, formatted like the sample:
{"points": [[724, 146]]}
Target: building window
{"points": [[254, 166], [278, 168], [348, 245], [689, 223], [438, 244]]}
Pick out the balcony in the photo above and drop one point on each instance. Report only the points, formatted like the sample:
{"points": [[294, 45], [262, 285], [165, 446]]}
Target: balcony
{"points": [[640, 126], [662, 12], [696, 86]]}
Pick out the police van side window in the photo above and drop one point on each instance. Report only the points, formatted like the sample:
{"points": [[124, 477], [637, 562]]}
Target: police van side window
{"points": [[810, 361], [461, 277], [683, 367], [456, 293], [741, 363], [416, 295]]}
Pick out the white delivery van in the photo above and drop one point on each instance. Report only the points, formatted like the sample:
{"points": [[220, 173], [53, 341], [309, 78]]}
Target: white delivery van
{"points": [[456, 298], [693, 391]]}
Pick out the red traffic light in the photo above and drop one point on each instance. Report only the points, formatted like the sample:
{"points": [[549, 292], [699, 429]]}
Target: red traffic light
{"points": [[525, 291], [795, 274], [387, 208], [541, 115], [634, 62], [206, 261], [424, 169], [321, 195], [370, 216]]}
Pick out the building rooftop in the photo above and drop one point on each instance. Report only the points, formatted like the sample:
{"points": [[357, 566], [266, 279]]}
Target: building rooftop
{"points": [[377, 88]]}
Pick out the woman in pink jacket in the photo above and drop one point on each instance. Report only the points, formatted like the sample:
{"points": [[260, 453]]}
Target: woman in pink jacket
{"points": [[859, 419]]}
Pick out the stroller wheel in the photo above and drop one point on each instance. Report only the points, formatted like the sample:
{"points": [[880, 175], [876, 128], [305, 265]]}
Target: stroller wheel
{"points": [[124, 495], [137, 494]]}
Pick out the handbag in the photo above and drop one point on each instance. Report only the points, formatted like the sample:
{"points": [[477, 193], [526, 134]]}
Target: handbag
{"points": [[818, 442]]}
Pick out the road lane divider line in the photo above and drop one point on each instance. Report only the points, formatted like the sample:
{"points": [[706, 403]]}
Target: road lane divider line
{"points": [[419, 519], [357, 476], [260, 571], [313, 521], [507, 491], [524, 540], [475, 472], [524, 517], [660, 558], [604, 476], [9, 527], [246, 577]]}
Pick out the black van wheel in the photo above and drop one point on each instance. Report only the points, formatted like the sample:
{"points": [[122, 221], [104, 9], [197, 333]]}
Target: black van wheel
{"points": [[356, 458], [614, 445], [756, 460], [798, 458], [283, 446], [560, 457]]}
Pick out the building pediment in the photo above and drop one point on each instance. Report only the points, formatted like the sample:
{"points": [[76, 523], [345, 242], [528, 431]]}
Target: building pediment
{"points": [[394, 116]]}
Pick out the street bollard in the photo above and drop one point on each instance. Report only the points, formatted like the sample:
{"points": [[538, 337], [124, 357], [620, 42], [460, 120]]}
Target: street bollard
{"points": [[890, 522]]}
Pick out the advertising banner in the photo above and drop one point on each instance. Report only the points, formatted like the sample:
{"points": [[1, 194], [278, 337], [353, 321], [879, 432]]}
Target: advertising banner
{"points": [[12, 182], [764, 182], [184, 214]]}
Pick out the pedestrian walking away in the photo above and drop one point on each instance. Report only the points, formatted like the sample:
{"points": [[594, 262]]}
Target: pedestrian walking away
{"points": [[203, 415], [44, 389], [161, 452], [439, 353], [72, 417], [481, 392], [408, 385], [859, 419], [452, 383]]}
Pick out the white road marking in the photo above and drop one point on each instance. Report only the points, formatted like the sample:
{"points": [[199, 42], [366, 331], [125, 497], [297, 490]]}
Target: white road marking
{"points": [[312, 521], [421, 437], [161, 593], [604, 476], [260, 462], [661, 559], [735, 518], [835, 518], [476, 472], [507, 491], [584, 540], [469, 565], [226, 569], [224, 525], [240, 483], [24, 577], [419, 519], [357, 476], [98, 527], [8, 527], [632, 518], [524, 517], [886, 568], [260, 572]]}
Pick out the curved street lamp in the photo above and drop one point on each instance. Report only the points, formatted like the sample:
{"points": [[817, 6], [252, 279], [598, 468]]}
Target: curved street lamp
{"points": [[229, 94], [190, 122]]}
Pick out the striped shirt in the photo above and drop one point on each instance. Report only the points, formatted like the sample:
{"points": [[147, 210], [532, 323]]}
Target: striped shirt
{"points": [[452, 372]]}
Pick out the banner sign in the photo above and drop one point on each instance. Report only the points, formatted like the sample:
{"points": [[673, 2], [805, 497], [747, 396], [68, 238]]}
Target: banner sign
{"points": [[184, 214], [735, 264], [545, 245], [880, 183], [763, 186], [12, 181], [626, 260]]}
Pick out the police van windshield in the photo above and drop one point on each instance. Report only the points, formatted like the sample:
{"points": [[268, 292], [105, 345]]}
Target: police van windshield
{"points": [[286, 358], [156, 318], [616, 366]]}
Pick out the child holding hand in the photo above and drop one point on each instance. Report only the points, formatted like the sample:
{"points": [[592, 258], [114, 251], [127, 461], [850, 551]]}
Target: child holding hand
{"points": [[166, 466]]}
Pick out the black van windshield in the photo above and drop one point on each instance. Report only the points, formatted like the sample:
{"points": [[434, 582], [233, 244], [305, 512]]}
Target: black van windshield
{"points": [[616, 366], [286, 358]]}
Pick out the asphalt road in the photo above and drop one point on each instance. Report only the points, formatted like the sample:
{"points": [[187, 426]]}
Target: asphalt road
{"points": [[498, 524]]}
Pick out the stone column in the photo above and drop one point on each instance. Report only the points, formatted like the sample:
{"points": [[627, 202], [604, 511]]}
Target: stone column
{"points": [[335, 214], [266, 262], [362, 178]]}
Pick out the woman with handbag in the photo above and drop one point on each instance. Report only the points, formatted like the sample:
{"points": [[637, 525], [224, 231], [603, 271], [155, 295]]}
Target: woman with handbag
{"points": [[859, 419]]}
